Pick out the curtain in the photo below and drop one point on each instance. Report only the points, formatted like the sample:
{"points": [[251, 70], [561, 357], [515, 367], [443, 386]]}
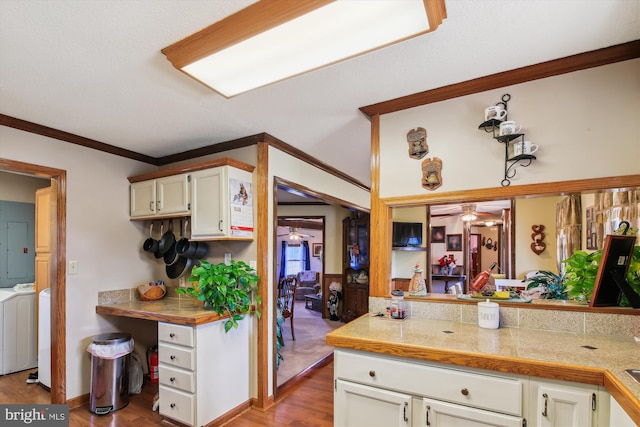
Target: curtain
{"points": [[283, 261], [306, 259], [568, 228]]}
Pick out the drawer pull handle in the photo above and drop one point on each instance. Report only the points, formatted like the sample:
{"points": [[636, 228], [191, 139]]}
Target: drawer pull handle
{"points": [[372, 373], [172, 379], [172, 335], [465, 392], [173, 357], [173, 405], [545, 396]]}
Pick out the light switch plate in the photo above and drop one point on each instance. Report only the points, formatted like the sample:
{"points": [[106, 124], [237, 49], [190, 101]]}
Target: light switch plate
{"points": [[227, 258], [73, 267]]}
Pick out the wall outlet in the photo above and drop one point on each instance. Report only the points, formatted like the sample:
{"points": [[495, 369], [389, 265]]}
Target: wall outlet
{"points": [[227, 258], [73, 267], [253, 264]]}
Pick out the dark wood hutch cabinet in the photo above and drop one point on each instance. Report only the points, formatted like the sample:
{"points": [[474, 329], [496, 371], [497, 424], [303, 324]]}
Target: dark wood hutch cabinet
{"points": [[355, 262]]}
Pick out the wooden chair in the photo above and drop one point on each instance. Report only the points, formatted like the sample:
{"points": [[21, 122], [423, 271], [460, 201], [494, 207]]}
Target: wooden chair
{"points": [[287, 288]]}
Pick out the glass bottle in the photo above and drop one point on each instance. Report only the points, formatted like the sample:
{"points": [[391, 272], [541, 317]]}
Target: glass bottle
{"points": [[481, 279]]}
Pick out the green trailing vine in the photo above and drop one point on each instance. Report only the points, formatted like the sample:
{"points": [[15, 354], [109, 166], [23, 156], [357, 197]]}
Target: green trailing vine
{"points": [[225, 289]]}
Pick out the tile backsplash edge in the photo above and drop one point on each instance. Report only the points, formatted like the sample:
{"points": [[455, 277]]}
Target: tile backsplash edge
{"points": [[511, 317]]}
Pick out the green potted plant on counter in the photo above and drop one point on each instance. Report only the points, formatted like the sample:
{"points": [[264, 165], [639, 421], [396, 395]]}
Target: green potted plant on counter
{"points": [[226, 289]]}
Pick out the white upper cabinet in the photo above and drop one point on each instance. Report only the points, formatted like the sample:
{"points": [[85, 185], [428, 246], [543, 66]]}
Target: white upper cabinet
{"points": [[222, 204], [162, 197]]}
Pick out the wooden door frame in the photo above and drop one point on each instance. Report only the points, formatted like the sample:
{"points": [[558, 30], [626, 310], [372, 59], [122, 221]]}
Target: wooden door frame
{"points": [[57, 273]]}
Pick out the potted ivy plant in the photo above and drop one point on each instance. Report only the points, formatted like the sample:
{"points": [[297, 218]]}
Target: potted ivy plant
{"points": [[226, 289], [551, 285], [581, 271]]}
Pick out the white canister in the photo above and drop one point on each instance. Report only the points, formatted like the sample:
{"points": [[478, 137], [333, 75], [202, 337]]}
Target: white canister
{"points": [[488, 315]]}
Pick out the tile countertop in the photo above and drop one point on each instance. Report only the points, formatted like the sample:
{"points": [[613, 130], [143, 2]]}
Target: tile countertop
{"points": [[181, 311], [554, 355]]}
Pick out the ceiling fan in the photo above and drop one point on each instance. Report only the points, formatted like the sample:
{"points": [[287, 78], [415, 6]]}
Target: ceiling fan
{"points": [[294, 234]]}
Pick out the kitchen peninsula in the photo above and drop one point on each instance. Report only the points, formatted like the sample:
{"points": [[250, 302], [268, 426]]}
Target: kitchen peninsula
{"points": [[508, 370]]}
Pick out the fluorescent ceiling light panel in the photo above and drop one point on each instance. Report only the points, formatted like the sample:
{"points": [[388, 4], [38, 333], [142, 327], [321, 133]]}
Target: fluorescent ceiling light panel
{"points": [[336, 31]]}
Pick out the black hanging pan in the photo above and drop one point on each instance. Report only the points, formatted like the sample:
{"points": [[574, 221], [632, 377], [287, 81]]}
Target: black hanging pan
{"points": [[183, 243], [171, 255], [158, 254], [178, 268], [151, 244], [167, 239]]}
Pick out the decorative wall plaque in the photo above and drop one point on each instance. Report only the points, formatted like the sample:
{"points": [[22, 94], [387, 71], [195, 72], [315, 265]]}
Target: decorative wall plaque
{"points": [[538, 246], [431, 176], [417, 140]]}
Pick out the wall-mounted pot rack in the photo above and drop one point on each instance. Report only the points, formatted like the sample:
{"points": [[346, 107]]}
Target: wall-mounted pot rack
{"points": [[493, 126]]}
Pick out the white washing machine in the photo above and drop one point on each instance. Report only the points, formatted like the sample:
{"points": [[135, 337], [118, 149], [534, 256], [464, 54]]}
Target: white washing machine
{"points": [[17, 329], [44, 338]]}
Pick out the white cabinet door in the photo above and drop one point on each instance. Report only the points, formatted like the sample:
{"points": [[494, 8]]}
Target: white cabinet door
{"points": [[160, 197], [435, 413], [559, 404], [359, 405], [172, 194], [143, 198], [210, 215]]}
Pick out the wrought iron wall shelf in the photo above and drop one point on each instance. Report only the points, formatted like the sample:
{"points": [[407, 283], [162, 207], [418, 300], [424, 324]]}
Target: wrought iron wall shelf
{"points": [[493, 126]]}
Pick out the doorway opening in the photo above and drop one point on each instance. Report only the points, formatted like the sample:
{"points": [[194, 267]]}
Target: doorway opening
{"points": [[57, 282], [301, 211]]}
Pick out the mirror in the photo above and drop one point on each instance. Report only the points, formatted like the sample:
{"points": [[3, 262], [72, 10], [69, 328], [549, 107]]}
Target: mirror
{"points": [[518, 232]]}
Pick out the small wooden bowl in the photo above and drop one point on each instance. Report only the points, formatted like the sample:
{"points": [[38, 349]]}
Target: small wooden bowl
{"points": [[152, 293]]}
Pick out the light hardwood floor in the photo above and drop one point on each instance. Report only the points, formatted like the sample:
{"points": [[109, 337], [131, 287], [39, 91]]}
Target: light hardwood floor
{"points": [[306, 400]]}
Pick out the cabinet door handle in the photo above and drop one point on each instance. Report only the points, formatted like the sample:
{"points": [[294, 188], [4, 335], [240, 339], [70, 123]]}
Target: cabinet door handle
{"points": [[406, 404], [428, 409], [372, 373], [545, 396], [465, 392], [173, 405], [172, 379], [159, 205], [172, 335], [151, 207], [220, 225], [173, 357]]}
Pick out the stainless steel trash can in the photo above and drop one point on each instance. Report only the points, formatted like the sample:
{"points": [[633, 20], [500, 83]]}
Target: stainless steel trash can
{"points": [[109, 376]]}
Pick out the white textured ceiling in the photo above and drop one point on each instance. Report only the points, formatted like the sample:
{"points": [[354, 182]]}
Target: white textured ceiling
{"points": [[94, 68]]}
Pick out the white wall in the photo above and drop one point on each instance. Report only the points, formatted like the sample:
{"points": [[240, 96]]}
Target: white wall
{"points": [[99, 235], [585, 122], [529, 212], [285, 166]]}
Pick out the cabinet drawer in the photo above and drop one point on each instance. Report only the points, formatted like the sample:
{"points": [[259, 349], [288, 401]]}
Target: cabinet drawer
{"points": [[467, 388], [176, 334], [174, 355], [177, 404], [178, 378]]}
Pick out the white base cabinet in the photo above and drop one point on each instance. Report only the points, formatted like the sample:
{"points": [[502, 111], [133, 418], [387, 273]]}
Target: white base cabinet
{"points": [[203, 372], [563, 404], [378, 390], [435, 413], [361, 405]]}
